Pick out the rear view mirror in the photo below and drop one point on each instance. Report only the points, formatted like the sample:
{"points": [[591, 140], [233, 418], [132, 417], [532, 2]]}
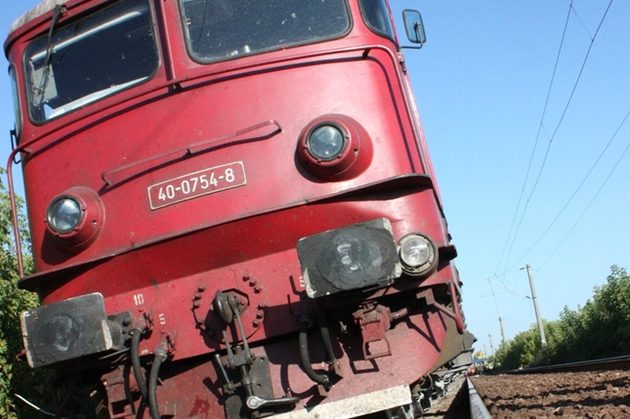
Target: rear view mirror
{"points": [[414, 27]]}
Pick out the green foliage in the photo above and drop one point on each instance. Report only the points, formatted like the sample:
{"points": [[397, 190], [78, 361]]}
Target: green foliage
{"points": [[519, 351], [599, 329], [16, 377]]}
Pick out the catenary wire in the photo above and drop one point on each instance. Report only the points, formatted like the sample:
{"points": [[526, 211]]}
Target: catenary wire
{"points": [[556, 129], [494, 298], [575, 192], [588, 206], [531, 158]]}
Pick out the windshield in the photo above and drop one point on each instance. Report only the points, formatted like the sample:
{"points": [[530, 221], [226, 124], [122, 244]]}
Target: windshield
{"points": [[223, 29], [376, 15], [90, 59]]}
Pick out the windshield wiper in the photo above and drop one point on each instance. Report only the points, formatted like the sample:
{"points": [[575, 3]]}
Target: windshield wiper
{"points": [[57, 12]]}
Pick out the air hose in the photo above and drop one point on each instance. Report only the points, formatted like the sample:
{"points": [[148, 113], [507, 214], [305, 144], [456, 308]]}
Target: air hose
{"points": [[160, 356], [323, 330], [136, 333], [305, 357]]}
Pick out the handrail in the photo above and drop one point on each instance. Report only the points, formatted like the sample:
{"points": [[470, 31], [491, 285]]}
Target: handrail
{"points": [[454, 314], [459, 320], [116, 176], [14, 213]]}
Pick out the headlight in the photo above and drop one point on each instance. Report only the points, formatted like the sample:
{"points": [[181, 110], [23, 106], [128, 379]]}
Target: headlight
{"points": [[75, 217], [66, 330], [63, 332], [64, 215], [417, 254], [350, 258], [326, 142], [334, 147], [347, 258]]}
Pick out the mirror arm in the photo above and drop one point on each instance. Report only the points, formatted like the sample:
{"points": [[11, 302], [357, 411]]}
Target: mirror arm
{"points": [[416, 27]]}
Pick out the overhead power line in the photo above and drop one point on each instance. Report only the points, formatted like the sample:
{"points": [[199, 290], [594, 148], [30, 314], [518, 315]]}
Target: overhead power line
{"points": [[578, 188], [513, 291], [541, 126], [589, 204], [531, 158]]}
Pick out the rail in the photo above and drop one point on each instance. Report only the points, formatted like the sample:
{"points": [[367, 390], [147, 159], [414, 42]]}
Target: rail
{"points": [[593, 365], [478, 410]]}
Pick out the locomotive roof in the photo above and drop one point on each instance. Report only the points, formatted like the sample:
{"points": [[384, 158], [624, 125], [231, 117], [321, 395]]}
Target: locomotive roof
{"points": [[40, 9]]}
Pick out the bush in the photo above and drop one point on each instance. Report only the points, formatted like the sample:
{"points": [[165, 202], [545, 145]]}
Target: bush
{"points": [[598, 330]]}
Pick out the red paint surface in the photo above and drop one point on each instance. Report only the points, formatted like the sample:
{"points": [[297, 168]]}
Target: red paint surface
{"points": [[152, 261]]}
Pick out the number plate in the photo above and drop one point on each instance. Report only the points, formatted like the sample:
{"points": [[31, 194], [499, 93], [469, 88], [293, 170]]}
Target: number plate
{"points": [[193, 185]]}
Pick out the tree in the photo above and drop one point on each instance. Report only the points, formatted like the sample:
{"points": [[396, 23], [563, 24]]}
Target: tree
{"points": [[599, 329], [520, 351], [16, 377]]}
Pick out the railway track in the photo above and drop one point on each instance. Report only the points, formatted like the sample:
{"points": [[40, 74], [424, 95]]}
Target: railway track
{"points": [[619, 362], [593, 389]]}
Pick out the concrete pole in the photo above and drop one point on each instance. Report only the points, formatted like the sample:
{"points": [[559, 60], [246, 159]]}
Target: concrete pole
{"points": [[502, 332], [491, 347], [541, 330]]}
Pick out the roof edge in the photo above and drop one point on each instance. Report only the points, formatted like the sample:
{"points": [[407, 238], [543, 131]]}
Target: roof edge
{"points": [[37, 11]]}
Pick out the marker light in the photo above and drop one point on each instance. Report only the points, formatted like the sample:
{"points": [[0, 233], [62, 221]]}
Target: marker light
{"points": [[417, 254], [64, 214], [325, 142]]}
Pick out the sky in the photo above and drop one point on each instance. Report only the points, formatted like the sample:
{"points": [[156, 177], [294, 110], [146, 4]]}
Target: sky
{"points": [[523, 106]]}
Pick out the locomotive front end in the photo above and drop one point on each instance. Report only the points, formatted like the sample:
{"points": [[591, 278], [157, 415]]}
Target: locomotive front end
{"points": [[232, 209]]}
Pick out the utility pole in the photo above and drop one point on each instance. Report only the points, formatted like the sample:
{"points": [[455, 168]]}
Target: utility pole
{"points": [[541, 330], [502, 332], [491, 347]]}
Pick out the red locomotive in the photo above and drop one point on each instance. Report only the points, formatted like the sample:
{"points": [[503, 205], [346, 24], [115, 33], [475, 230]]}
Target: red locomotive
{"points": [[232, 207]]}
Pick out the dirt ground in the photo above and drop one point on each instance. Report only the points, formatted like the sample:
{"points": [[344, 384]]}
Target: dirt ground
{"points": [[592, 395]]}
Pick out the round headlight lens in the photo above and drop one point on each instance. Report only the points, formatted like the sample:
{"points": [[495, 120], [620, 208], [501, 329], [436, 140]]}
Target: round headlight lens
{"points": [[326, 142], [350, 261], [63, 332], [416, 253], [64, 215], [350, 255]]}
